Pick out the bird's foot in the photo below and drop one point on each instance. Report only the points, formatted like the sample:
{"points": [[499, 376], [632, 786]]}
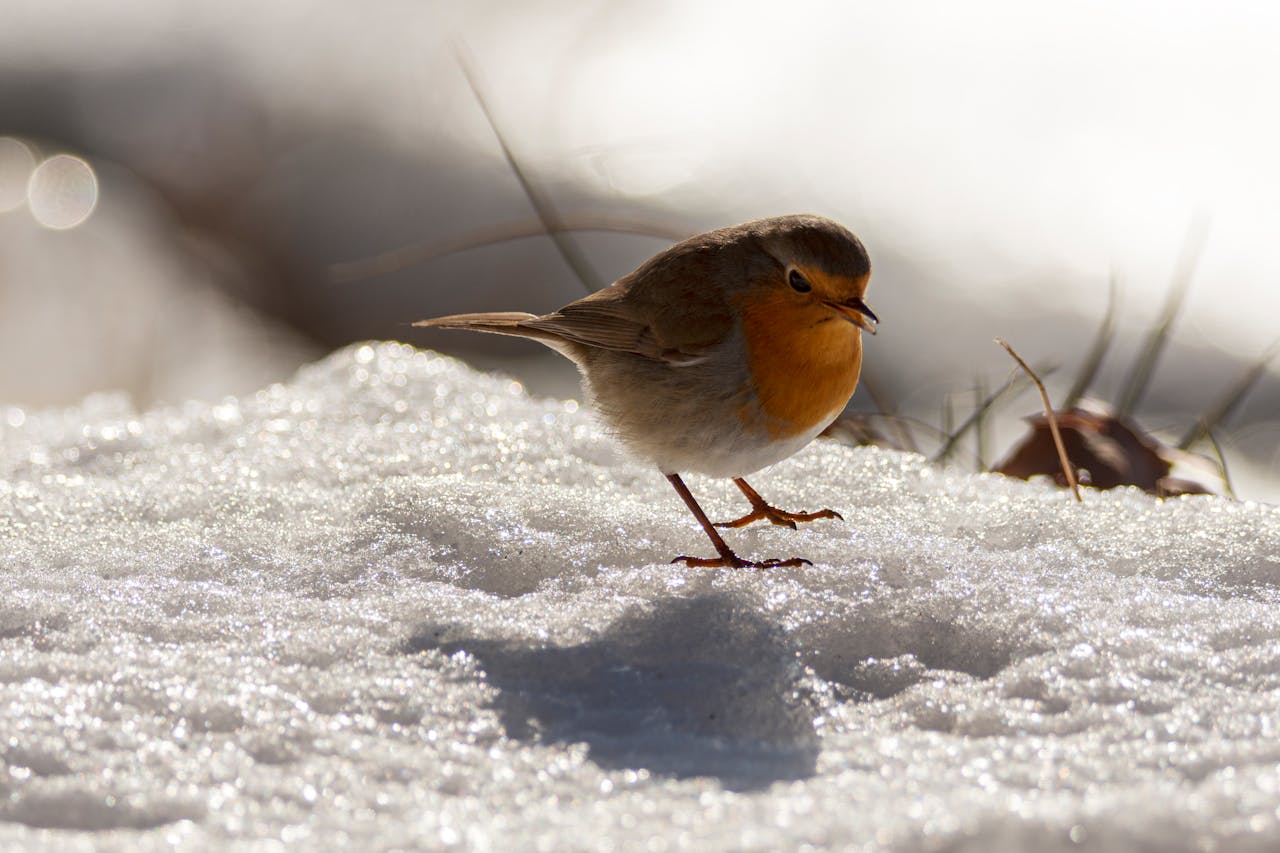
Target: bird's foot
{"points": [[733, 561], [780, 517]]}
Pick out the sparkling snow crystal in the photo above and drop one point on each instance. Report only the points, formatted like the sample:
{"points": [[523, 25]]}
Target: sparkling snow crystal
{"points": [[396, 603]]}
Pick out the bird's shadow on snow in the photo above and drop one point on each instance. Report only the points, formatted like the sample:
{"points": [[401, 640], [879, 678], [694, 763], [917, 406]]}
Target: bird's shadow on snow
{"points": [[699, 686]]}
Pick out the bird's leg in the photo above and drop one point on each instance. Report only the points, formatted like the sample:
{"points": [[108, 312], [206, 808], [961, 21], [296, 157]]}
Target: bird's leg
{"points": [[761, 511], [727, 557]]}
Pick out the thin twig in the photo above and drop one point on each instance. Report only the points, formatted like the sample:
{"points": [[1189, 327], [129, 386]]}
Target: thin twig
{"points": [[1067, 470], [423, 251], [1140, 377], [551, 223], [1097, 352]]}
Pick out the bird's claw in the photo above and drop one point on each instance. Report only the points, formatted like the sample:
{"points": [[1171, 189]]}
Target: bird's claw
{"points": [[780, 517], [733, 561]]}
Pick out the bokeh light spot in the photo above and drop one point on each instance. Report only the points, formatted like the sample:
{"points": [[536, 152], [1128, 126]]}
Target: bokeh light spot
{"points": [[16, 164], [62, 192]]}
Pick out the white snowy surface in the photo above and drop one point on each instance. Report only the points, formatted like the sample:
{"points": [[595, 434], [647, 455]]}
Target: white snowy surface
{"points": [[396, 603]]}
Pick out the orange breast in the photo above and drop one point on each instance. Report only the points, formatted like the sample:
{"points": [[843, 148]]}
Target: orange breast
{"points": [[804, 361]]}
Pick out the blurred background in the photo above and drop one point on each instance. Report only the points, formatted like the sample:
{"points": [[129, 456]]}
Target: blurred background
{"points": [[197, 198]]}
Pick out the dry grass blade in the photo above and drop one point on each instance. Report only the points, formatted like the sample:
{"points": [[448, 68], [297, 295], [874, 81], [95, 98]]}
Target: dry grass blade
{"points": [[953, 437], [1067, 470], [948, 421], [859, 428], [1230, 400], [551, 223], [421, 252], [981, 433], [1222, 464], [887, 407], [1097, 352], [1140, 377]]}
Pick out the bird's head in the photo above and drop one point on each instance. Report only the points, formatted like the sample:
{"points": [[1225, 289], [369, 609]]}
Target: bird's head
{"points": [[813, 268]]}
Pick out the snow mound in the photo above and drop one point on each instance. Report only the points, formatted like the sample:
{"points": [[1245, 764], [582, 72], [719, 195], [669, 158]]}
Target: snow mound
{"points": [[397, 603]]}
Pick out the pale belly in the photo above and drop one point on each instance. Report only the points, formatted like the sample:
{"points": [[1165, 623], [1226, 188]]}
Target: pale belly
{"points": [[750, 452], [706, 419]]}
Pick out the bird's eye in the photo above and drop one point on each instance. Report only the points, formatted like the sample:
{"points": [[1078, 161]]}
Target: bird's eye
{"points": [[798, 282]]}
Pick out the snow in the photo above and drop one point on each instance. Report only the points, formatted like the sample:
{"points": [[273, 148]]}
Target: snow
{"points": [[397, 603]]}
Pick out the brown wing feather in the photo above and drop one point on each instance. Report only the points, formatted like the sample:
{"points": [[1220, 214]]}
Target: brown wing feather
{"points": [[596, 324], [672, 308]]}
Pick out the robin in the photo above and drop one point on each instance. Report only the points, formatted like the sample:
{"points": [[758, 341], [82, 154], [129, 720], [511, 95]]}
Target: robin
{"points": [[724, 354]]}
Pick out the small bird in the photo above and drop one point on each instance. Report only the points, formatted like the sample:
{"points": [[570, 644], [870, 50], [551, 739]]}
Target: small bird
{"points": [[724, 354]]}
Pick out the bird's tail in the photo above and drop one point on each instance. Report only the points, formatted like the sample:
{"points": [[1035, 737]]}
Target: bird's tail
{"points": [[500, 323], [497, 322]]}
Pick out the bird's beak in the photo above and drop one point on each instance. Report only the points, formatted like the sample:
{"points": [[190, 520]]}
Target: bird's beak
{"points": [[856, 312]]}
